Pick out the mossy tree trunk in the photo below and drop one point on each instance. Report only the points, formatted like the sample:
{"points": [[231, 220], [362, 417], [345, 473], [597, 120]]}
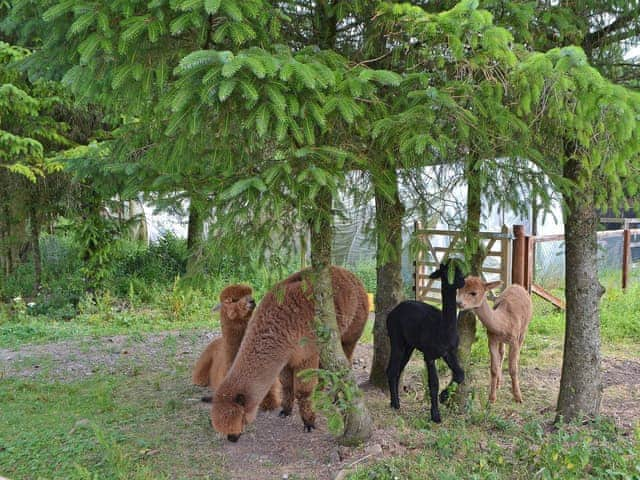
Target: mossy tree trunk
{"points": [[357, 421], [389, 291], [467, 324], [581, 381], [34, 231], [195, 235]]}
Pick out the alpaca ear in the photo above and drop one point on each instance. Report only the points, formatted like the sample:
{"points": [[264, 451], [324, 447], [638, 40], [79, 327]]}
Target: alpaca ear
{"points": [[492, 285], [438, 273], [239, 399]]}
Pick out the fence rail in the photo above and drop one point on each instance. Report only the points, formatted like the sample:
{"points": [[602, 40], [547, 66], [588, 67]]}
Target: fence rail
{"points": [[497, 246], [516, 257]]}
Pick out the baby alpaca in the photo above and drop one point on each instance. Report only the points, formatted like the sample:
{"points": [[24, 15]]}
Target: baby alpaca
{"points": [[236, 306], [417, 325], [507, 322], [281, 338]]}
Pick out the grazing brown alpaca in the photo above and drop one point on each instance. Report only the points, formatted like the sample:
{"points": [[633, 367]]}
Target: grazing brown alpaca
{"points": [[507, 323], [236, 306], [281, 338]]}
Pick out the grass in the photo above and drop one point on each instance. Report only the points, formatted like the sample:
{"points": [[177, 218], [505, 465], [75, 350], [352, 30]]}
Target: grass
{"points": [[141, 422], [108, 316], [136, 426], [488, 447]]}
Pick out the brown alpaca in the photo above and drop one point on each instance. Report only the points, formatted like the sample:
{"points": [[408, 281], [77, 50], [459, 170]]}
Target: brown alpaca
{"points": [[280, 338], [507, 323], [236, 306]]}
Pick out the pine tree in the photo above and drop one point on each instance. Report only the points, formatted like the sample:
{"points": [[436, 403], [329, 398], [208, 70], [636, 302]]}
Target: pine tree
{"points": [[31, 133], [587, 131]]}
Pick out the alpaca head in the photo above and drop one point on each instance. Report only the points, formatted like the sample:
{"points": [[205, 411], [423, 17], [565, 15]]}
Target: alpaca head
{"points": [[236, 302], [229, 415], [442, 274], [473, 293]]}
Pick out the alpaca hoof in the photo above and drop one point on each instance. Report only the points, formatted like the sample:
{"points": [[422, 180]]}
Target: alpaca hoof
{"points": [[309, 428], [284, 413], [207, 399], [435, 417], [492, 399], [395, 405], [518, 399]]}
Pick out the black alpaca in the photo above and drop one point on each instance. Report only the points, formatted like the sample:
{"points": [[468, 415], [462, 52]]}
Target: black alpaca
{"points": [[413, 324]]}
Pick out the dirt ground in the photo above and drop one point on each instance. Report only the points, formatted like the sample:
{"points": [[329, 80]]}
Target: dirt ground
{"points": [[296, 454]]}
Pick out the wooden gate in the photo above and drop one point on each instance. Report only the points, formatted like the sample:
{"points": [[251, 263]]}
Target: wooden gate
{"points": [[497, 246]]}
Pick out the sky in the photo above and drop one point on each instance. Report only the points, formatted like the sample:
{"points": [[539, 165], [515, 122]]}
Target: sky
{"points": [[634, 52]]}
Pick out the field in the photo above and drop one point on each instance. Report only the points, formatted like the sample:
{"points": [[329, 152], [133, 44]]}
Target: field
{"points": [[108, 396]]}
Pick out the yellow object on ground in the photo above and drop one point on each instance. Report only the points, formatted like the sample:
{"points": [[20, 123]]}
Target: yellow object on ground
{"points": [[372, 307]]}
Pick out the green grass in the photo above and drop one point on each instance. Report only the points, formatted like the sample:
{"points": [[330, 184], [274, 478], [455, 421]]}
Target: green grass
{"points": [[175, 310], [489, 447], [139, 426]]}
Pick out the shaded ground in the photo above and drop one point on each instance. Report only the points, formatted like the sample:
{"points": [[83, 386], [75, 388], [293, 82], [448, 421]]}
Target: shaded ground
{"points": [[278, 448]]}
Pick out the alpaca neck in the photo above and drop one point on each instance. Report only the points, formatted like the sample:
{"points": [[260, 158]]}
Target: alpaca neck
{"points": [[490, 318], [255, 367], [232, 335], [449, 310]]}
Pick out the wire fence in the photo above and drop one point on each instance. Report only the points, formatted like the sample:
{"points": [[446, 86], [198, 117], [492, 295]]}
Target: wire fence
{"points": [[550, 263]]}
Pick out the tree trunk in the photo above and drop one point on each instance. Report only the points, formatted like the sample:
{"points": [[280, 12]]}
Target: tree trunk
{"points": [[581, 383], [35, 246], [195, 232], [467, 325], [389, 291], [357, 421]]}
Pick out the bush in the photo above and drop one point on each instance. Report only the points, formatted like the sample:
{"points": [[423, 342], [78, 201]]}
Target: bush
{"points": [[136, 267], [62, 282], [366, 272]]}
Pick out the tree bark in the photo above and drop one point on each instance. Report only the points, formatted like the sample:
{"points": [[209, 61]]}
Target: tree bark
{"points": [[581, 382], [357, 421], [195, 230], [467, 325], [389, 291], [35, 247]]}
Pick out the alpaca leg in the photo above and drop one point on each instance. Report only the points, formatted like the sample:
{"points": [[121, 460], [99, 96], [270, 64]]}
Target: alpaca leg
{"points": [[494, 352], [273, 398], [348, 349], [286, 378], [399, 358], [302, 391], [451, 359], [514, 356], [201, 370], [434, 386], [501, 358]]}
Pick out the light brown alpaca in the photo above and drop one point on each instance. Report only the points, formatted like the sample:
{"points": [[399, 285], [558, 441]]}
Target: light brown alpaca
{"points": [[507, 323], [236, 306], [281, 338]]}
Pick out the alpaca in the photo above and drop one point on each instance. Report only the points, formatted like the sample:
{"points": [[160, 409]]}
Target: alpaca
{"points": [[236, 306], [507, 322], [281, 338], [416, 325]]}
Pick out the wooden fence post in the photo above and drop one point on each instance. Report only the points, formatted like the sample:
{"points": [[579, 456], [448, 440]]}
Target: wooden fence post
{"points": [[505, 257], [519, 259], [626, 256], [531, 262]]}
